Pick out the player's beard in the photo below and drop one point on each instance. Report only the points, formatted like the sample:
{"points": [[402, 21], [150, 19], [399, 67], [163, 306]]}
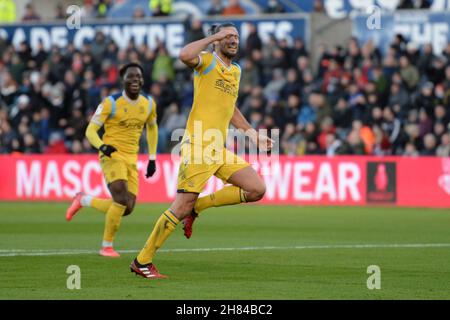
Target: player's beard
{"points": [[226, 53]]}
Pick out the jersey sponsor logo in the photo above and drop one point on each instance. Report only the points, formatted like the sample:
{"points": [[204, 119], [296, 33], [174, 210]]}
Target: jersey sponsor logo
{"points": [[132, 124], [226, 87]]}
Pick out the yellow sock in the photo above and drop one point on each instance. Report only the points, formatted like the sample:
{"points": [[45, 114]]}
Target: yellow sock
{"points": [[101, 204], [165, 225], [112, 221], [226, 196]]}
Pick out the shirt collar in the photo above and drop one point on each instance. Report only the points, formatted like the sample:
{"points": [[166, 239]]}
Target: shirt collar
{"points": [[129, 99], [221, 61]]}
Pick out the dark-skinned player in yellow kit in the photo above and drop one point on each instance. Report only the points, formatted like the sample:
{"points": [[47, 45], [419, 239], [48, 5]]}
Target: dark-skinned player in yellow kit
{"points": [[216, 85], [123, 117]]}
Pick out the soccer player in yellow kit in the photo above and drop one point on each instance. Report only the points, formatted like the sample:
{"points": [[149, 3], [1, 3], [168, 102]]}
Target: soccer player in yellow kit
{"points": [[123, 117], [216, 85]]}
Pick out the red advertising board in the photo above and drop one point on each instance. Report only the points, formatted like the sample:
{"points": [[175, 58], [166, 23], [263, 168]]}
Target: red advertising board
{"points": [[309, 180]]}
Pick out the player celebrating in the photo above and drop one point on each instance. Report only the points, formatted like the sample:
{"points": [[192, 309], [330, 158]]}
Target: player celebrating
{"points": [[216, 85], [123, 117]]}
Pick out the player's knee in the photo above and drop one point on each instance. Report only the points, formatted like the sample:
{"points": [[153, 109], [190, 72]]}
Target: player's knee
{"points": [[129, 209], [260, 191], [257, 192], [121, 198]]}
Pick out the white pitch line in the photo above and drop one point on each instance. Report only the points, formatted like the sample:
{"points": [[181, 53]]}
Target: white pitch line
{"points": [[53, 252]]}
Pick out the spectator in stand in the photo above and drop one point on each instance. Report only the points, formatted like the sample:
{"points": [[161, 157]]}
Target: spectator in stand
{"points": [[441, 115], [391, 126], [443, 150], [429, 142], [249, 78], [410, 150], [99, 47], [216, 8], [326, 127], [333, 145], [274, 6], [60, 13], [366, 135], [292, 86], [163, 65], [273, 88], [194, 29], [30, 14], [161, 8], [88, 10], [138, 13], [56, 144], [298, 51], [399, 98], [414, 4], [7, 11], [234, 8], [286, 113], [30, 144], [409, 73], [253, 41], [102, 8], [318, 6], [352, 145], [172, 119], [342, 115]]}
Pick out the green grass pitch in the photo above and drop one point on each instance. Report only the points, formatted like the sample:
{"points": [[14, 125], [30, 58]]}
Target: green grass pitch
{"points": [[239, 252]]}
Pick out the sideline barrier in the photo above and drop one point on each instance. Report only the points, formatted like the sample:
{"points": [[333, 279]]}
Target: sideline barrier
{"points": [[308, 180]]}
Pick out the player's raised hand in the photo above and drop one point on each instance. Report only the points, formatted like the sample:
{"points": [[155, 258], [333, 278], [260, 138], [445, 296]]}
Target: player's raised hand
{"points": [[224, 33], [107, 150], [265, 143], [151, 168], [262, 141]]}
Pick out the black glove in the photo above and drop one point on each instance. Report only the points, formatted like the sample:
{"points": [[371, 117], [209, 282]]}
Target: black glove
{"points": [[151, 168], [107, 150]]}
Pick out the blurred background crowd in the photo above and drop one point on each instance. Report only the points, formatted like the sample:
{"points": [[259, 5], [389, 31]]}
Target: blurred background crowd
{"points": [[355, 100]]}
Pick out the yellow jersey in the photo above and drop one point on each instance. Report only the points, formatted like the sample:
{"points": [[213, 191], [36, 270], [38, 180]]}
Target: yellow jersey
{"points": [[123, 120], [216, 89]]}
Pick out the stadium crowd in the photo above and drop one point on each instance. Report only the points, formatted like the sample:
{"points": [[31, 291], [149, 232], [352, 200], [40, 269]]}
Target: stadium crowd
{"points": [[356, 100]]}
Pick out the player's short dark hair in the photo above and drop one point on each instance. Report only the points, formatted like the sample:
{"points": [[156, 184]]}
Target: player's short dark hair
{"points": [[219, 26], [124, 68]]}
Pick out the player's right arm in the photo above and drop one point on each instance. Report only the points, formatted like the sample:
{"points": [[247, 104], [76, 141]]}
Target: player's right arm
{"points": [[190, 54], [97, 121]]}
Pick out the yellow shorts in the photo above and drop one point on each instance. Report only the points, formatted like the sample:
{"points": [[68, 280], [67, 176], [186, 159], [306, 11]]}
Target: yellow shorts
{"points": [[195, 171], [116, 168]]}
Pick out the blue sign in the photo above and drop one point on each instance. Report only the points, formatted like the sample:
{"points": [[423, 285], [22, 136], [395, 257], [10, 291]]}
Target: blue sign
{"points": [[172, 32], [419, 27]]}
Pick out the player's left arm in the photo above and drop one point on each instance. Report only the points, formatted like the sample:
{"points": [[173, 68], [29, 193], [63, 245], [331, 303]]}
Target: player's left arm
{"points": [[152, 140], [238, 121]]}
